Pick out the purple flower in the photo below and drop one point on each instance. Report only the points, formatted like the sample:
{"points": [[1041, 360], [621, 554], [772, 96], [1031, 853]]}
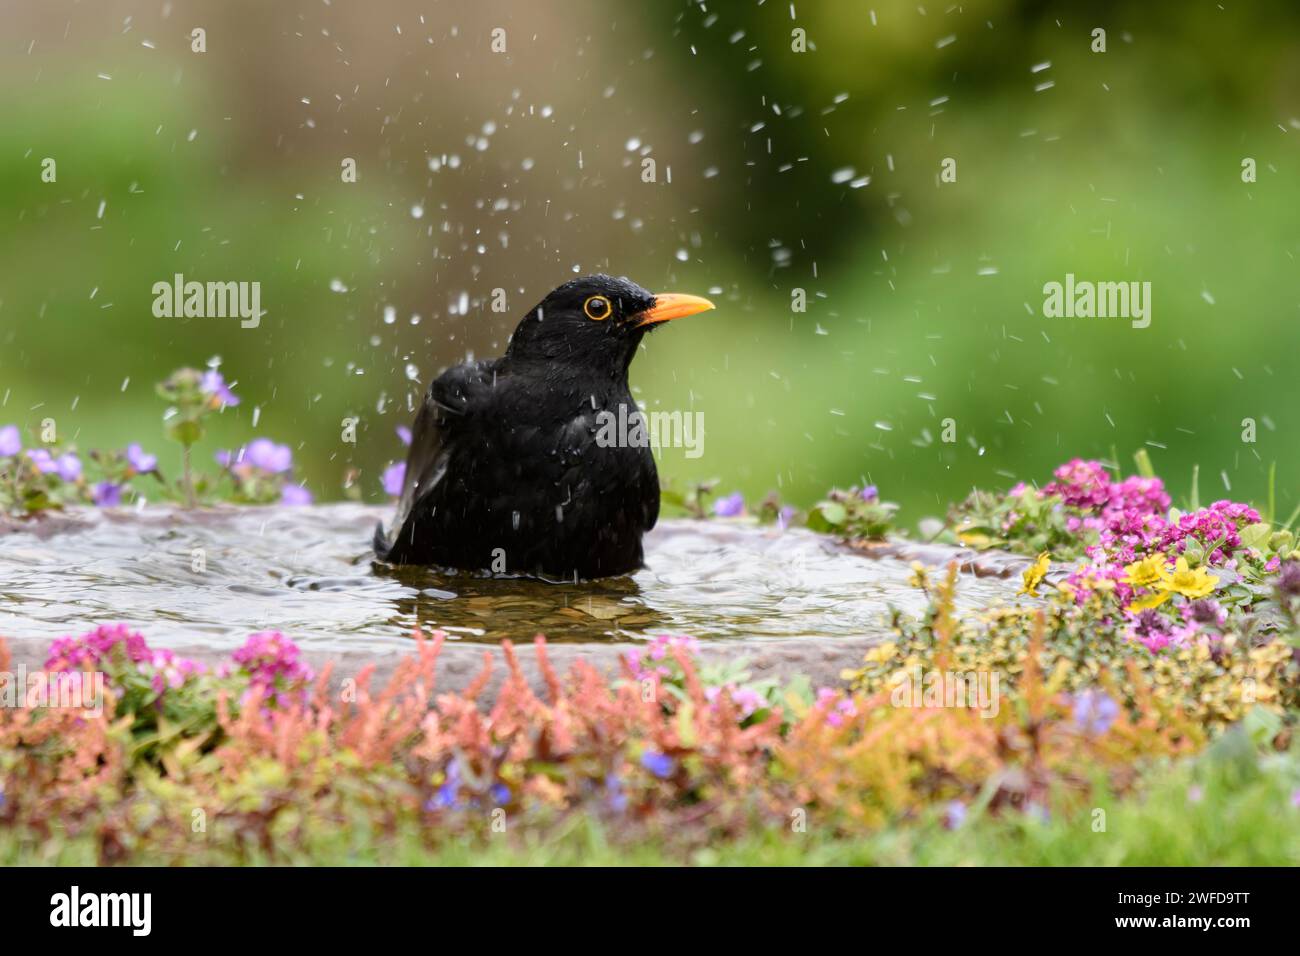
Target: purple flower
{"points": [[264, 454], [784, 517], [11, 442], [393, 478], [870, 493], [1288, 580], [67, 466], [1206, 611], [614, 794], [1094, 711], [142, 463], [295, 496], [954, 814], [447, 796], [730, 506], [42, 459], [106, 494], [404, 434], [1295, 798], [214, 383], [661, 765]]}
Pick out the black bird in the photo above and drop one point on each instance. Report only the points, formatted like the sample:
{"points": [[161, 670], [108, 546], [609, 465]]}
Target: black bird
{"points": [[506, 472]]}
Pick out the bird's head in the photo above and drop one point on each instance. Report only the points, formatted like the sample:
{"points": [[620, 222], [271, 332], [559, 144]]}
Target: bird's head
{"points": [[598, 320]]}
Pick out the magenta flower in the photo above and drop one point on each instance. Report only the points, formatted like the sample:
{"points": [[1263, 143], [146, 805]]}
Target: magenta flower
{"points": [[170, 671], [97, 647], [640, 661], [746, 698], [11, 442], [1083, 484], [393, 478], [835, 705], [275, 674], [731, 506]]}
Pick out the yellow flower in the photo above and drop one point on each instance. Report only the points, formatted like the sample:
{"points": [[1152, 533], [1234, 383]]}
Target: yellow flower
{"points": [[1188, 583], [1144, 573], [1150, 601], [1034, 574], [1184, 581]]}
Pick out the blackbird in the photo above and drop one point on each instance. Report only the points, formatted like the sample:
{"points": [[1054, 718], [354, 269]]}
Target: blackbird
{"points": [[507, 469]]}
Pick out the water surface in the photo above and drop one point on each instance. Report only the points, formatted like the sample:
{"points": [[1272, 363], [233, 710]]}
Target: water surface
{"points": [[216, 576]]}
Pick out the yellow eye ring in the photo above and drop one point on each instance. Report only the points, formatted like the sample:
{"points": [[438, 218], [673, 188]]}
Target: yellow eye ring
{"points": [[601, 306]]}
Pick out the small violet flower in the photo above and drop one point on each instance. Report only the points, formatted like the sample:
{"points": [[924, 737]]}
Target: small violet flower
{"points": [[141, 463], [1094, 711], [11, 442], [731, 506], [661, 765], [393, 478], [295, 496], [214, 383], [106, 494]]}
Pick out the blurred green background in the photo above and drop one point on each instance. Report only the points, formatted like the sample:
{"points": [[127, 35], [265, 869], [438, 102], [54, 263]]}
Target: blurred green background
{"points": [[775, 170]]}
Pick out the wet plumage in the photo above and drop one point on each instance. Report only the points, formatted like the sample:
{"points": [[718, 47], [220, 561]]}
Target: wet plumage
{"points": [[505, 471]]}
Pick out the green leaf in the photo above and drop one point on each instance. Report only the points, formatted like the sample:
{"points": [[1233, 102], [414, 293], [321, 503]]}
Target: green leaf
{"points": [[827, 516], [1255, 535], [1262, 725], [185, 431]]}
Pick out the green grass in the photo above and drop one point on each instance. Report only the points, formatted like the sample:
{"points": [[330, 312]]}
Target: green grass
{"points": [[1228, 807]]}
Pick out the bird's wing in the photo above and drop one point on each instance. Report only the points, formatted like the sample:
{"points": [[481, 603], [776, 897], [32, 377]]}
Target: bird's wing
{"points": [[448, 402]]}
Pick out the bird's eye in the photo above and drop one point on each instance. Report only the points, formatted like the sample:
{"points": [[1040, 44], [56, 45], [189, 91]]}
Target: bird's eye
{"points": [[597, 307]]}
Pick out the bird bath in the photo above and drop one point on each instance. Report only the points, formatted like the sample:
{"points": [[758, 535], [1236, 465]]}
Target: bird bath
{"points": [[200, 582]]}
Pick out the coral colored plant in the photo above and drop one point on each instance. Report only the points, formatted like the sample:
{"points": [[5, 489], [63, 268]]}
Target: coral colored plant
{"points": [[1149, 635]]}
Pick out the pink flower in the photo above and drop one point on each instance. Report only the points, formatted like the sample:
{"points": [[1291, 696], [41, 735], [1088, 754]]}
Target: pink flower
{"points": [[96, 647], [275, 672], [116, 644], [835, 705]]}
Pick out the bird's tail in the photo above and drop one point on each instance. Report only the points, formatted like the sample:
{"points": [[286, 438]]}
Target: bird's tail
{"points": [[382, 545]]}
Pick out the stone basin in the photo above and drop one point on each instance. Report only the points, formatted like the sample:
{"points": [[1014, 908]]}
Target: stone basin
{"points": [[200, 582]]}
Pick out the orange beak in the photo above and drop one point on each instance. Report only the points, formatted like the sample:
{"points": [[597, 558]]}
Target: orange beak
{"points": [[673, 305]]}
